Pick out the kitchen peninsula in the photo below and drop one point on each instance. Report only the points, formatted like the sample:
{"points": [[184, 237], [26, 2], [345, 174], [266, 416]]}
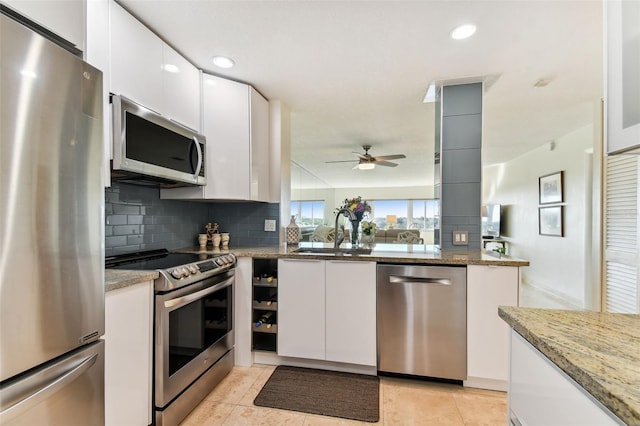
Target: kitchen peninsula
{"points": [[573, 367], [400, 253]]}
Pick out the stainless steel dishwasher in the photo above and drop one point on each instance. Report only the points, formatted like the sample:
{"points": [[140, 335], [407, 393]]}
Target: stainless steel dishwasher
{"points": [[422, 320]]}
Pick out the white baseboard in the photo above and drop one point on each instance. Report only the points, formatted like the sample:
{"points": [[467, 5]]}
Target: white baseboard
{"points": [[489, 384], [270, 358]]}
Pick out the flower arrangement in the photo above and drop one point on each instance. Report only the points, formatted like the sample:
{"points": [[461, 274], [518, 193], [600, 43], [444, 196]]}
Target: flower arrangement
{"points": [[369, 228], [356, 205]]}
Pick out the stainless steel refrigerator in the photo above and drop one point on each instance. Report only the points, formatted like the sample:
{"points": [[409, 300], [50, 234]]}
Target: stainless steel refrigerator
{"points": [[51, 233]]}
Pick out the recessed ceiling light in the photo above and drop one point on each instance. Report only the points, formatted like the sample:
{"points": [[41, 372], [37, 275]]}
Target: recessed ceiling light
{"points": [[463, 31], [366, 166], [171, 68], [222, 61]]}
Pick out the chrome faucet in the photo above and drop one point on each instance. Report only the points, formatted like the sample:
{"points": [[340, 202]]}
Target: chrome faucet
{"points": [[352, 216]]}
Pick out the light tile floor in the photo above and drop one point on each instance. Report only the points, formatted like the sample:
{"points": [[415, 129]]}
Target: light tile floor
{"points": [[402, 402]]}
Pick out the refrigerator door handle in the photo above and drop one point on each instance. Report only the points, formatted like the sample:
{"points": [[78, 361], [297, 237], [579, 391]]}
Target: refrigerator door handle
{"points": [[30, 398], [419, 280]]}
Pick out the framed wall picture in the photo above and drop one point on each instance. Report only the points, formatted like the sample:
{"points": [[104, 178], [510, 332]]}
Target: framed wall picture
{"points": [[550, 221], [550, 188]]}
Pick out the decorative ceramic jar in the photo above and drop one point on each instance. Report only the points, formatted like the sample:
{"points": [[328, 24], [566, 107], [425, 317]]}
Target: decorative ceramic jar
{"points": [[202, 240], [215, 239], [293, 232], [225, 240]]}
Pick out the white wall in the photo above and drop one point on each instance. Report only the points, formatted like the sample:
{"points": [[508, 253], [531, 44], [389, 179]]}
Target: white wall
{"points": [[557, 264]]}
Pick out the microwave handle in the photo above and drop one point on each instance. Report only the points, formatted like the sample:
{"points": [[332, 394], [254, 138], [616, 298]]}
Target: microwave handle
{"points": [[199, 166]]}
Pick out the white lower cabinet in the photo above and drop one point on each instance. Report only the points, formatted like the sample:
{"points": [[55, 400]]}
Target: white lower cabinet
{"points": [[487, 335], [327, 310], [542, 394], [128, 359], [350, 297]]}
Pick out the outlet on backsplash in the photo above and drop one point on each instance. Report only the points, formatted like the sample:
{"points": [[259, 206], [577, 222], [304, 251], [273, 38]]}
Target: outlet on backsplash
{"points": [[270, 225]]}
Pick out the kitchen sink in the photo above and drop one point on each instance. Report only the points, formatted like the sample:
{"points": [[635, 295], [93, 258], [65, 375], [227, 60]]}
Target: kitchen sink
{"points": [[332, 250]]}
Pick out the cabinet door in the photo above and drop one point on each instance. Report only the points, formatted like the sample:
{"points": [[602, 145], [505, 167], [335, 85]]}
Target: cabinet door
{"points": [[181, 89], [351, 312], [487, 335], [128, 360], [542, 394], [136, 60], [226, 127], [260, 158], [62, 17], [301, 308], [97, 54]]}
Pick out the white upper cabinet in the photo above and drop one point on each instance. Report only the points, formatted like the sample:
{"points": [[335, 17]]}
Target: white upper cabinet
{"points": [[136, 60], [97, 54], [259, 124], [62, 17], [148, 71], [181, 86], [235, 120]]}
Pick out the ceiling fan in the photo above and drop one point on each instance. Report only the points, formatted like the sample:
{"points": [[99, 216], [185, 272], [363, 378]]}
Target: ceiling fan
{"points": [[367, 162]]}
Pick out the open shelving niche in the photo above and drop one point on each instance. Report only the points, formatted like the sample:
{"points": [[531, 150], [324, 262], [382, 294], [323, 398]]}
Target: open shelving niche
{"points": [[264, 300]]}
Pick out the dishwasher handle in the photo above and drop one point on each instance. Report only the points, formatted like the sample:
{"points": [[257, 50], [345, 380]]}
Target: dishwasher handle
{"points": [[418, 280]]}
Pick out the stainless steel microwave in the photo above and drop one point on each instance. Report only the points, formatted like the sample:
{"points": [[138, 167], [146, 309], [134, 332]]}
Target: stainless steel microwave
{"points": [[150, 149]]}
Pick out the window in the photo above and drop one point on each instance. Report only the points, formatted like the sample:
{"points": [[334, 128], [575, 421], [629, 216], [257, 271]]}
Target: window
{"points": [[405, 214], [308, 213]]}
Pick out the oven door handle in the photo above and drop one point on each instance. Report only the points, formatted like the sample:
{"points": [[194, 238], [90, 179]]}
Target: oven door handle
{"points": [[172, 304]]}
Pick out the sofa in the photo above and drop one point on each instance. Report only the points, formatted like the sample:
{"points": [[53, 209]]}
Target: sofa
{"points": [[411, 236]]}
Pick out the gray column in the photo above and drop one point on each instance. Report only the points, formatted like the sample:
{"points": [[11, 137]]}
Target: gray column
{"points": [[459, 133]]}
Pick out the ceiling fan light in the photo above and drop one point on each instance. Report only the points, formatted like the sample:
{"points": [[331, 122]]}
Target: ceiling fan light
{"points": [[366, 166], [463, 31]]}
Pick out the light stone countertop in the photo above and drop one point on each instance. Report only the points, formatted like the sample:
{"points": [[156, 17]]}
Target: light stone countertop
{"points": [[396, 253], [600, 351], [118, 278]]}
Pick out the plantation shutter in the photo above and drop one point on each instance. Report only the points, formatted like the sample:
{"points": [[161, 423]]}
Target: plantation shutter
{"points": [[622, 223]]}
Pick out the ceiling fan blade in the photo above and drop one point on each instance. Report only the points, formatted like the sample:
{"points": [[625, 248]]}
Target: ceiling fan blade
{"points": [[390, 157], [361, 155], [342, 161], [385, 163]]}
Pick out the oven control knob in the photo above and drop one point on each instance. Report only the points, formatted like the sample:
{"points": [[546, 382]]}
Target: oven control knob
{"points": [[176, 273], [219, 262], [226, 260], [185, 272], [192, 269]]}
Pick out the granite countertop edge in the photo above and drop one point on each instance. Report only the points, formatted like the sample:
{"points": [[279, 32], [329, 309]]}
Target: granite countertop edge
{"points": [[414, 255], [115, 279], [588, 365]]}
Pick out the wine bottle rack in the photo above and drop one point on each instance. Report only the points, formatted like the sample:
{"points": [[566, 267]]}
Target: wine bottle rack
{"points": [[265, 300]]}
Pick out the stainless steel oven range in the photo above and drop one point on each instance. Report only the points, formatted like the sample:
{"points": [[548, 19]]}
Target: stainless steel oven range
{"points": [[193, 326]]}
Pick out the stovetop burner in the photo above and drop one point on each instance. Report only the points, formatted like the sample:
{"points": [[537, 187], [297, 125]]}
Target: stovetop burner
{"points": [[176, 269], [153, 260]]}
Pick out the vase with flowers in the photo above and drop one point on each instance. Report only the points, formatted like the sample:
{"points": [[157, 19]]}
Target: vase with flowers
{"points": [[368, 231], [359, 207]]}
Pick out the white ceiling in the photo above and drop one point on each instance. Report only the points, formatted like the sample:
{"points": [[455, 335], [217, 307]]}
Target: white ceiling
{"points": [[355, 72]]}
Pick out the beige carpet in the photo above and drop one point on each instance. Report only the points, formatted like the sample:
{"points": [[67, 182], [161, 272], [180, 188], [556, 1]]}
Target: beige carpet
{"points": [[328, 393]]}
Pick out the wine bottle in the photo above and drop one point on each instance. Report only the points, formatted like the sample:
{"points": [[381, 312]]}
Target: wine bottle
{"points": [[264, 319], [273, 298]]}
